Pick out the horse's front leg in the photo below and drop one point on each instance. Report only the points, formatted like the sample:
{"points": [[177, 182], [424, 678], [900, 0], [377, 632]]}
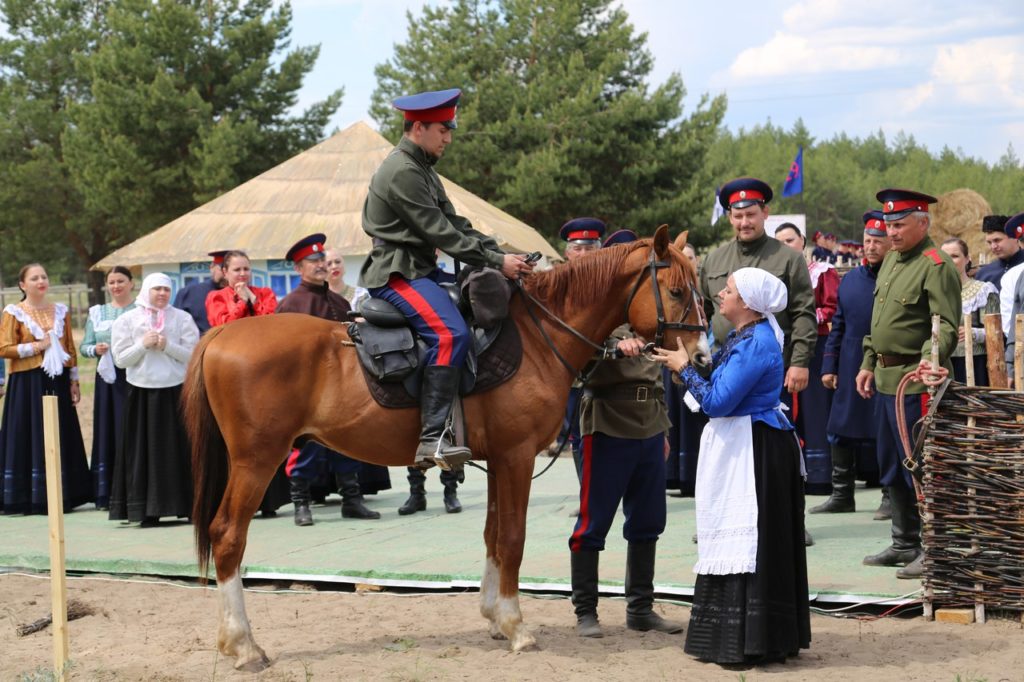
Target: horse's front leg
{"points": [[489, 582], [513, 483], [228, 534]]}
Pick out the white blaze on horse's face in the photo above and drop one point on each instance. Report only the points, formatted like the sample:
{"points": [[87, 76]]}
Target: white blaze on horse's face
{"points": [[702, 357]]}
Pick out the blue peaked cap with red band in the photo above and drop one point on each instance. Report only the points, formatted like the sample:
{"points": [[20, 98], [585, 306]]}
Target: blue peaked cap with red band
{"points": [[620, 237], [743, 192], [899, 203], [438, 106], [307, 247], [585, 229], [874, 224], [1014, 227]]}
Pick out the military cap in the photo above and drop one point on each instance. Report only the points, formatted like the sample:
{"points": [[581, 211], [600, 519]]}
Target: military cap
{"points": [[899, 203], [1014, 227], [582, 230], [874, 224], [620, 237], [818, 234], [307, 247], [430, 107], [217, 256], [743, 192], [994, 223]]}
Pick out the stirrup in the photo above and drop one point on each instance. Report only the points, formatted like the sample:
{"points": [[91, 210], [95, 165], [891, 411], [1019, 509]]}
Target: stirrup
{"points": [[453, 458]]}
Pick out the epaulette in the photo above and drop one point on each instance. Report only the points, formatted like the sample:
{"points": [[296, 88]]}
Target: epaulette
{"points": [[934, 255]]}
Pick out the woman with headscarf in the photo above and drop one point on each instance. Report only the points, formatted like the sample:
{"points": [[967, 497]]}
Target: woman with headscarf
{"points": [[152, 471], [750, 601], [35, 335], [111, 383]]}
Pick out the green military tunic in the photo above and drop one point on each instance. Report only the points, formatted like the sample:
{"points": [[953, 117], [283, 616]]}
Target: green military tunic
{"points": [[625, 397], [409, 215], [798, 321], [911, 287]]}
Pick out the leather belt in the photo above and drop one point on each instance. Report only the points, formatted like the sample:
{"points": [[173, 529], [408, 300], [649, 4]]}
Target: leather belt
{"points": [[896, 359], [635, 392]]}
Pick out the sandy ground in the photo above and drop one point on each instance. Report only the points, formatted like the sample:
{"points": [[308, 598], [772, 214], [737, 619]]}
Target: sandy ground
{"points": [[163, 631]]}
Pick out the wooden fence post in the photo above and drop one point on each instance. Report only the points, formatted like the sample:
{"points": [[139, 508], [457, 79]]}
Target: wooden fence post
{"points": [[55, 508]]}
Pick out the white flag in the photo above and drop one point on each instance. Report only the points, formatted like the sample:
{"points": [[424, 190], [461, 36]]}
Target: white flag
{"points": [[717, 212]]}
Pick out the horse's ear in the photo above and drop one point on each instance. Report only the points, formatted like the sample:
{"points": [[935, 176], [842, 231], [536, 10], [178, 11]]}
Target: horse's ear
{"points": [[661, 241], [680, 241]]}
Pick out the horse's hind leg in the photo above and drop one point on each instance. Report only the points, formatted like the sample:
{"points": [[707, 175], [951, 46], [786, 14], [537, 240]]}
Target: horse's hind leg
{"points": [[489, 582], [513, 482], [228, 534]]}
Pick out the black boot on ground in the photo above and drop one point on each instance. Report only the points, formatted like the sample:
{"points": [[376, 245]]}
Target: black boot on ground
{"points": [[438, 391], [843, 479], [300, 498], [352, 503], [640, 613], [906, 531], [884, 512], [583, 568], [417, 501], [450, 481]]}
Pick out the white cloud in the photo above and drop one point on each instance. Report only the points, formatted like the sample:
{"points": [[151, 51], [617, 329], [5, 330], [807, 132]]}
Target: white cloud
{"points": [[989, 71], [789, 54]]}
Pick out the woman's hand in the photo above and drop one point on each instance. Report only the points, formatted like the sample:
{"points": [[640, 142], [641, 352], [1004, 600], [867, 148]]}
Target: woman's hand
{"points": [[76, 393], [44, 343], [150, 339], [101, 349], [161, 342], [675, 360], [243, 292]]}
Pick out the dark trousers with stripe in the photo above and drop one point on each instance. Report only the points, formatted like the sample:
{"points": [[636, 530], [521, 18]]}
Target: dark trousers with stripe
{"points": [[314, 459], [630, 470], [432, 314], [889, 447]]}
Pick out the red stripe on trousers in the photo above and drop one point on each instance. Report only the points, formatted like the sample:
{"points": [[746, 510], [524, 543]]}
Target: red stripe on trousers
{"points": [[587, 449], [925, 398], [290, 464], [429, 315]]}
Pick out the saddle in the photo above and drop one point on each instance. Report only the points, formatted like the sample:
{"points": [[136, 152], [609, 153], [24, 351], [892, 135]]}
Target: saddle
{"points": [[391, 354]]}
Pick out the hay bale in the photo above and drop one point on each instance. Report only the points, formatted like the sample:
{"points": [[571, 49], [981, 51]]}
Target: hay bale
{"points": [[959, 214]]}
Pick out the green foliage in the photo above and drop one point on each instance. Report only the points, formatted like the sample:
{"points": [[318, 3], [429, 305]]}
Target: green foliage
{"points": [[842, 174], [556, 118], [124, 114]]}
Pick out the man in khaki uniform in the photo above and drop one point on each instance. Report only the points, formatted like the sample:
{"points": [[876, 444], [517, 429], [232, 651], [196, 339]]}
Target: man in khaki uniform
{"points": [[916, 280]]}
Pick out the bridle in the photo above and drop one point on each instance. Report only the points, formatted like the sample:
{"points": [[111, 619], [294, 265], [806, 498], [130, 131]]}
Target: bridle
{"points": [[663, 325]]}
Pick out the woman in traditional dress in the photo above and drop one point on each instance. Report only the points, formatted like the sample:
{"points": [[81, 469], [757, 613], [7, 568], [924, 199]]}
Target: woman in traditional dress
{"points": [[238, 299], [750, 602], [235, 301], [111, 383], [979, 298], [36, 336], [152, 469]]}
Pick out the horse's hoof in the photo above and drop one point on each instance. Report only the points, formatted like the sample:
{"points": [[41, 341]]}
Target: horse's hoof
{"points": [[496, 632], [254, 664], [523, 641]]}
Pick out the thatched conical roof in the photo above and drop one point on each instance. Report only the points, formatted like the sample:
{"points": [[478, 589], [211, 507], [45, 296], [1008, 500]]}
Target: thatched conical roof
{"points": [[320, 190]]}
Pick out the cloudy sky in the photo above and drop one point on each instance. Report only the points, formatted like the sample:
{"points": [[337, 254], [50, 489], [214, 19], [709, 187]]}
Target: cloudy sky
{"points": [[950, 73]]}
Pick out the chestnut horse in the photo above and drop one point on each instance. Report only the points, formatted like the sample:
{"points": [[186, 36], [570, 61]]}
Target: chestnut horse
{"points": [[301, 381]]}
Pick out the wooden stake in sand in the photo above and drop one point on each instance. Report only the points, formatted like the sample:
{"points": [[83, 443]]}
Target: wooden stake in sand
{"points": [[55, 508], [979, 606], [995, 350]]}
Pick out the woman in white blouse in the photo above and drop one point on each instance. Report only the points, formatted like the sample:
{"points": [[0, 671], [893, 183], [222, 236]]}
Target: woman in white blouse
{"points": [[153, 343]]}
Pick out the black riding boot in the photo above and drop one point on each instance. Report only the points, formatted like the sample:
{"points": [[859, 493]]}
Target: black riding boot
{"points": [[583, 568], [417, 501], [450, 481], [300, 497], [841, 500], [352, 503], [437, 394], [906, 531], [884, 512], [640, 614]]}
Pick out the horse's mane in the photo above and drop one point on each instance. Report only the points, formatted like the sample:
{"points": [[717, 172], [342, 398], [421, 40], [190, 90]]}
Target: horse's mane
{"points": [[584, 281]]}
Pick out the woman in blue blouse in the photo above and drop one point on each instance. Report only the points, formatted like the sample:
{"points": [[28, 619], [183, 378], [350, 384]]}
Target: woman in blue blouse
{"points": [[111, 385], [750, 602]]}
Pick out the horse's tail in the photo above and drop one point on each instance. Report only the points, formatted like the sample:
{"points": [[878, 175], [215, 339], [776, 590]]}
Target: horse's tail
{"points": [[209, 452]]}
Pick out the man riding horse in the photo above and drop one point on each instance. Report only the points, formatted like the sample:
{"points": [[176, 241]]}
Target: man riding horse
{"points": [[409, 217]]}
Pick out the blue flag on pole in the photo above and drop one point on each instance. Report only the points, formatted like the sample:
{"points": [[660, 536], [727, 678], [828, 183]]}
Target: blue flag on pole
{"points": [[717, 212], [795, 178]]}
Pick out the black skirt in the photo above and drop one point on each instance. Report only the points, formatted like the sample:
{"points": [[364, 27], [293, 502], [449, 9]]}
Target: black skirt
{"points": [[22, 455], [152, 469], [750, 618], [107, 430]]}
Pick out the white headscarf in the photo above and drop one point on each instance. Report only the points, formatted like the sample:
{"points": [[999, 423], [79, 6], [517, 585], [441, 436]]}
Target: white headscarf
{"points": [[764, 293], [156, 315]]}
